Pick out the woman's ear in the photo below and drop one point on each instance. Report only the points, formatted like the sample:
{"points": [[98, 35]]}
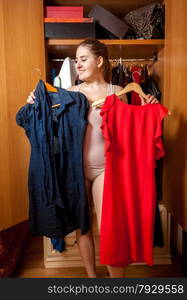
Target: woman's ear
{"points": [[99, 61]]}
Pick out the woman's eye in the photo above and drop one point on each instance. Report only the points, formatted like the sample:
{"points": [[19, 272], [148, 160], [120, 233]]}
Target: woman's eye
{"points": [[83, 60]]}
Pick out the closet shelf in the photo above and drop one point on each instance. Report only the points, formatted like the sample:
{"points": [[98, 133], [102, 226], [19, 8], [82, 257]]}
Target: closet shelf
{"points": [[59, 48], [107, 42]]}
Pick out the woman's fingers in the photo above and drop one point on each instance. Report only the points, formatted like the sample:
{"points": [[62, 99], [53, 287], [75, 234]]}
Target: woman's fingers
{"points": [[151, 99], [32, 95], [31, 98], [143, 101]]}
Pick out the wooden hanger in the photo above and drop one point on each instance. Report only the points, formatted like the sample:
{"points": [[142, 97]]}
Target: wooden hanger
{"points": [[48, 86], [131, 87]]}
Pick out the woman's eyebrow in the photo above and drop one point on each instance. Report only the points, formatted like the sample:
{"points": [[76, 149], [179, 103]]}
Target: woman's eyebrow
{"points": [[83, 56]]}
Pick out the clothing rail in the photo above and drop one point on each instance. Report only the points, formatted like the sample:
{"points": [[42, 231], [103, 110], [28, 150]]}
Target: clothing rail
{"points": [[120, 60]]}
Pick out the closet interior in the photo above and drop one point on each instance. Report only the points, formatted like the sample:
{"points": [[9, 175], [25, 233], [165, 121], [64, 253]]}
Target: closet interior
{"points": [[126, 52], [28, 56]]}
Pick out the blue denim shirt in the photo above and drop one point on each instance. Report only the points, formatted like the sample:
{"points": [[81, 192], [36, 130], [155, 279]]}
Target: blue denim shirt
{"points": [[57, 198]]}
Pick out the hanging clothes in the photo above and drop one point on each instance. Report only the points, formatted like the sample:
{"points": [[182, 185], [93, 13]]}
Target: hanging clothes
{"points": [[53, 74], [57, 198], [120, 75], [137, 77], [58, 244], [149, 85], [133, 143], [67, 75], [66, 78]]}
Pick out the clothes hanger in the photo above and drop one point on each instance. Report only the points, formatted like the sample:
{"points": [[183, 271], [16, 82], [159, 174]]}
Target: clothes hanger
{"points": [[52, 89], [48, 86], [133, 86], [129, 88]]}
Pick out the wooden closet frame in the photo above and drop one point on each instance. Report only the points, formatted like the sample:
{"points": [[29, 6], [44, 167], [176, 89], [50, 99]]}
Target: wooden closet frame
{"points": [[23, 48]]}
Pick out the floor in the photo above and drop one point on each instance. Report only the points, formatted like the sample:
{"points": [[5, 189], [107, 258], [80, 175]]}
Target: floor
{"points": [[32, 266]]}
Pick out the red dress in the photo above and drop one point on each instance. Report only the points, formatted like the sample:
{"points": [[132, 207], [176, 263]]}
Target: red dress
{"points": [[133, 142]]}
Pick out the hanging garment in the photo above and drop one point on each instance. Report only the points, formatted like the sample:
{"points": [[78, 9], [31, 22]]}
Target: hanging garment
{"points": [[53, 74], [158, 233], [149, 85], [58, 244], [57, 196], [120, 75], [67, 75], [136, 76], [133, 143]]}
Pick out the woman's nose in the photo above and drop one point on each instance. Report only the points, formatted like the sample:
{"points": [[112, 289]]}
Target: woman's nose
{"points": [[79, 65]]}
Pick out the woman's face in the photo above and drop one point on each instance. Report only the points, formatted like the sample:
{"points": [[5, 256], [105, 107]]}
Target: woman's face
{"points": [[88, 66]]}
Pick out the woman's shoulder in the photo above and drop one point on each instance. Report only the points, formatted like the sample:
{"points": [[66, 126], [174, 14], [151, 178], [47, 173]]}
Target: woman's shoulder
{"points": [[74, 88], [117, 89]]}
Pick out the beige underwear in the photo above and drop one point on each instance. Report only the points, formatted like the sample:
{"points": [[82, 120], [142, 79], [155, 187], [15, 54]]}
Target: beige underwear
{"points": [[93, 149]]}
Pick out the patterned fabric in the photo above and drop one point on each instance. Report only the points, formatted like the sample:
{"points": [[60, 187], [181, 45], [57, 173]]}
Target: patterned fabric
{"points": [[147, 21]]}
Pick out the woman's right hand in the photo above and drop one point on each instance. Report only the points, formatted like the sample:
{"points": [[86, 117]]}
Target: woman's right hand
{"points": [[31, 98]]}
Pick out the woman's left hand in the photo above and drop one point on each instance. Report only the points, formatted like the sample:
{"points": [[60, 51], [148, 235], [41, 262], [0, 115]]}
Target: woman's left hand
{"points": [[151, 100]]}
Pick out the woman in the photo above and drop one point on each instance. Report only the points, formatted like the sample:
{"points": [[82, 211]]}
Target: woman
{"points": [[94, 70]]}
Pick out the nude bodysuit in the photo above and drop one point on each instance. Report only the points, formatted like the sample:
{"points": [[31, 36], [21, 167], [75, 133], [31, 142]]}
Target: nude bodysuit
{"points": [[93, 151]]}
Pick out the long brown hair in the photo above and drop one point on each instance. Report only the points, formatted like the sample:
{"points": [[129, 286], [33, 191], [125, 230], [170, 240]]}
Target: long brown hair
{"points": [[99, 49]]}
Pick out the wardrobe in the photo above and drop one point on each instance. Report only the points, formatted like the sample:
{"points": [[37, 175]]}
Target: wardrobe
{"points": [[26, 56]]}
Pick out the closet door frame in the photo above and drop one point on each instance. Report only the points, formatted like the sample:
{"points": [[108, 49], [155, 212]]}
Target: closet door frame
{"points": [[21, 55], [175, 127]]}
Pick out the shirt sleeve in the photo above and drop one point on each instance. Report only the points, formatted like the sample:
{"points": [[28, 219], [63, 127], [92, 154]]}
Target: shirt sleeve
{"points": [[23, 118], [159, 148]]}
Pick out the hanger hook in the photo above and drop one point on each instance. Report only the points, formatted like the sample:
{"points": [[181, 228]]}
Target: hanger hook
{"points": [[38, 71]]}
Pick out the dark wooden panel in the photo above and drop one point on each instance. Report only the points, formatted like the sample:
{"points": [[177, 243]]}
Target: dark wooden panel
{"points": [[117, 48]]}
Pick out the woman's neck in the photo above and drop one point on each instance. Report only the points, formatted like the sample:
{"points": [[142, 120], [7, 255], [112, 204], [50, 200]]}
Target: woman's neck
{"points": [[95, 82]]}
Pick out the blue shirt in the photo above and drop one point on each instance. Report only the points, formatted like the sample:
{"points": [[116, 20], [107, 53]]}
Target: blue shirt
{"points": [[57, 198]]}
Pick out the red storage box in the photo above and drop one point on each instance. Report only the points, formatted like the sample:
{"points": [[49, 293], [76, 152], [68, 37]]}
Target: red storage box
{"points": [[64, 11]]}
